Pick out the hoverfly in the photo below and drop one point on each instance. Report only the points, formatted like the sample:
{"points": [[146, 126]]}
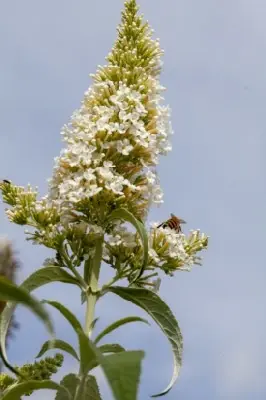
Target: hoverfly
{"points": [[173, 223]]}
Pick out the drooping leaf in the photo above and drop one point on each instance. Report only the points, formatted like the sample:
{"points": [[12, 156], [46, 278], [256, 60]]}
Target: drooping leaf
{"points": [[125, 215], [117, 324], [11, 292], [111, 348], [46, 275], [70, 317], [37, 279], [15, 392], [86, 355], [58, 344], [163, 316]]}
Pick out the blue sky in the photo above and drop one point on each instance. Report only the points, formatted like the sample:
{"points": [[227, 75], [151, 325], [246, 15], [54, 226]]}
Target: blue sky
{"points": [[214, 71]]}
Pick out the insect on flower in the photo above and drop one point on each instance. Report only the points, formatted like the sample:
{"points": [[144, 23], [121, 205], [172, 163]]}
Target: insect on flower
{"points": [[173, 223], [6, 181]]}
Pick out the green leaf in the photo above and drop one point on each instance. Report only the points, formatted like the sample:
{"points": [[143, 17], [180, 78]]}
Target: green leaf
{"points": [[47, 275], [111, 348], [71, 382], [122, 371], [10, 291], [163, 316], [90, 390], [37, 279], [70, 317], [117, 324], [15, 392], [94, 323], [57, 344], [125, 215], [87, 356], [83, 297]]}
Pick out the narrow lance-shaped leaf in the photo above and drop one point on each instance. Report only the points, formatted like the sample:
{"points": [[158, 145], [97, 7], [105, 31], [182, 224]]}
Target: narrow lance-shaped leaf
{"points": [[10, 291], [39, 278], [111, 348], [117, 324], [69, 316], [163, 316], [86, 356], [125, 215], [46, 275], [57, 344]]}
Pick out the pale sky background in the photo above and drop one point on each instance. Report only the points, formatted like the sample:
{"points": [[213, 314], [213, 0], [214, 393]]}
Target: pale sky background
{"points": [[215, 63]]}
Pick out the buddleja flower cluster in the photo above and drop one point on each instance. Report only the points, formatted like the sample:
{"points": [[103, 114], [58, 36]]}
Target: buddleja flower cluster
{"points": [[115, 138], [113, 143]]}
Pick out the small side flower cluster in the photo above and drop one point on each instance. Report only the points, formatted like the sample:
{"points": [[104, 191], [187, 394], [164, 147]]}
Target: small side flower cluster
{"points": [[38, 371], [123, 251], [169, 251], [50, 229]]}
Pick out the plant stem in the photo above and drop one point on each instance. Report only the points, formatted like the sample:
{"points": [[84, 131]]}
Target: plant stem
{"points": [[116, 278], [73, 269], [78, 276], [93, 278]]}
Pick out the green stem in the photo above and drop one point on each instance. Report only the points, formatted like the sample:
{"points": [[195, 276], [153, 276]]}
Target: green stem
{"points": [[73, 269], [93, 278], [110, 283], [78, 276], [116, 278]]}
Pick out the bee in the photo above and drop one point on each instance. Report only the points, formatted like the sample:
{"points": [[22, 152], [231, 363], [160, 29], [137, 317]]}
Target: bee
{"points": [[173, 223]]}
